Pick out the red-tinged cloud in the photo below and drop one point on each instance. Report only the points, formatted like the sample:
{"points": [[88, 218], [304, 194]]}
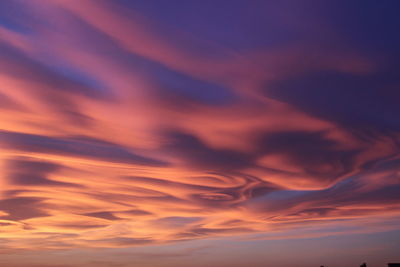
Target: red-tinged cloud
{"points": [[117, 130]]}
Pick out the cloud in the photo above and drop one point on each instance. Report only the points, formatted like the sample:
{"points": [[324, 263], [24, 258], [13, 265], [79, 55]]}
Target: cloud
{"points": [[121, 241], [309, 152], [29, 173], [124, 125], [74, 148], [103, 215], [197, 154], [21, 208]]}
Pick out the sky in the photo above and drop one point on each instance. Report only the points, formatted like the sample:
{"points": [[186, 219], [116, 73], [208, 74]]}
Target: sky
{"points": [[199, 133]]}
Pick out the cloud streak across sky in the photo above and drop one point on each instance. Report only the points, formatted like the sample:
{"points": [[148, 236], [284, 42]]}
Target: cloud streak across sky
{"points": [[148, 123]]}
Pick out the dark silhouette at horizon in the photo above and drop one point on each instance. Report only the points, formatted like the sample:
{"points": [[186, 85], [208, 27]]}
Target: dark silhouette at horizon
{"points": [[365, 265]]}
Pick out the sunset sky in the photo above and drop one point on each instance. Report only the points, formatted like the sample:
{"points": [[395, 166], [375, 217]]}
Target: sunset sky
{"points": [[219, 133]]}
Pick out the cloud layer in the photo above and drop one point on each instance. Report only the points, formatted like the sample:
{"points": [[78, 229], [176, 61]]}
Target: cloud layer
{"points": [[121, 126]]}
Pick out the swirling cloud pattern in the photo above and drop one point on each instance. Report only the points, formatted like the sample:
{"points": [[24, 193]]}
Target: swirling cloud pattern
{"points": [[136, 123]]}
